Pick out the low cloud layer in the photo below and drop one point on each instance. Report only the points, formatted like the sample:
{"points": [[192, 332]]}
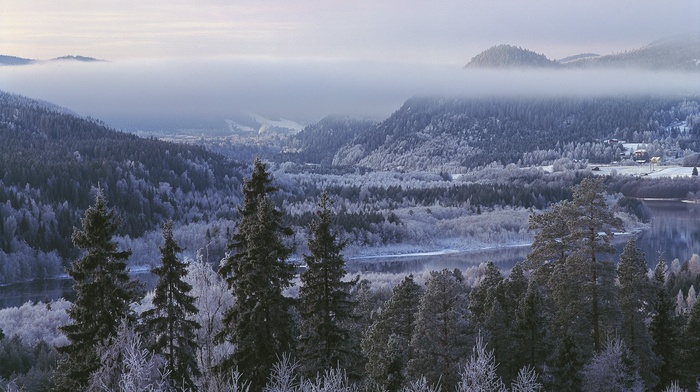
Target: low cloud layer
{"points": [[157, 94]]}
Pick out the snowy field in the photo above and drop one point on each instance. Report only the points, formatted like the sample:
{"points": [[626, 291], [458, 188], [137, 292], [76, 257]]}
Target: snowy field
{"points": [[654, 171]]}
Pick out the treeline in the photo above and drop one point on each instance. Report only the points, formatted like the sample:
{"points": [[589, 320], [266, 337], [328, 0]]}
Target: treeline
{"points": [[566, 318], [665, 188]]}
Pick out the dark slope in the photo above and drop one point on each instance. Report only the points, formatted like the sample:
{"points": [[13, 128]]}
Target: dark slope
{"points": [[446, 134], [50, 161]]}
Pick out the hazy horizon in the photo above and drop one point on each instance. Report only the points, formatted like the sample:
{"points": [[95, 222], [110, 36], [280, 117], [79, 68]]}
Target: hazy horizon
{"points": [[175, 61], [126, 94]]}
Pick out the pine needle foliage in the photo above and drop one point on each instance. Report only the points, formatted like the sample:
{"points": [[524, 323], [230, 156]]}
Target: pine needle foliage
{"points": [[325, 306], [104, 294], [169, 322], [259, 324]]}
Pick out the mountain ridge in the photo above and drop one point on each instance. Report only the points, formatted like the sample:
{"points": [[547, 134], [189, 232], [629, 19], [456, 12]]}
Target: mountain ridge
{"points": [[678, 53], [15, 60]]}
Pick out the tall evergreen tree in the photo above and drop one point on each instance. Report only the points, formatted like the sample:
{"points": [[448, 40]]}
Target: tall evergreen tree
{"points": [[387, 342], [576, 236], [635, 299], [104, 294], [259, 324], [690, 353], [442, 335], [664, 328], [590, 233], [325, 307], [478, 305], [532, 328], [169, 322]]}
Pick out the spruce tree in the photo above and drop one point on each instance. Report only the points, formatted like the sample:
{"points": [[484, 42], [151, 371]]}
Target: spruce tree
{"points": [[442, 335], [259, 324], [104, 294], [325, 307], [664, 328], [635, 299], [690, 353], [387, 342], [169, 323]]}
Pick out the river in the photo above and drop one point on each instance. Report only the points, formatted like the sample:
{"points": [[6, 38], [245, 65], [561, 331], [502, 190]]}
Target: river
{"points": [[674, 231]]}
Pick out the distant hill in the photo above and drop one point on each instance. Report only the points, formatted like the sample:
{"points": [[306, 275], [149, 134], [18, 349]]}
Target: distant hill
{"points": [[439, 134], [77, 58], [678, 53], [577, 57], [507, 56], [318, 143], [50, 160], [13, 60]]}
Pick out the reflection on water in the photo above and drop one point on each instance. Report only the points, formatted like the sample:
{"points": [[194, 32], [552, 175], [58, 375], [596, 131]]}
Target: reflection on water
{"points": [[504, 258], [675, 231], [50, 289]]}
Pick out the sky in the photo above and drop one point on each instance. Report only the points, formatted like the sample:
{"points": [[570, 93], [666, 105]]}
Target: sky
{"points": [[410, 31], [208, 59]]}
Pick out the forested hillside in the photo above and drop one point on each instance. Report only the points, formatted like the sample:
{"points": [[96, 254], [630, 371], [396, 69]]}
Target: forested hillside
{"points": [[508, 56], [51, 161], [442, 134]]}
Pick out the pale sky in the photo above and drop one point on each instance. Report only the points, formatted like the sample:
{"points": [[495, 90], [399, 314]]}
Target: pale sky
{"points": [[204, 60], [406, 31]]}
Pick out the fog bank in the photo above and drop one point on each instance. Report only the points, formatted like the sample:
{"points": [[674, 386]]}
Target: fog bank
{"points": [[158, 94]]}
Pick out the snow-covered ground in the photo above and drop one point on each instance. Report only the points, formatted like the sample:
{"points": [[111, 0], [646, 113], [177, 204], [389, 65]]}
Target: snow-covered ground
{"points": [[653, 171]]}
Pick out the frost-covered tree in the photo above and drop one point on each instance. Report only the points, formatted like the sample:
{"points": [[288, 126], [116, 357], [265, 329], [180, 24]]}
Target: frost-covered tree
{"points": [[325, 307], [479, 373], [526, 381], [442, 335], [212, 298], [127, 366], [104, 294], [170, 322], [259, 324], [635, 299], [387, 342], [612, 370]]}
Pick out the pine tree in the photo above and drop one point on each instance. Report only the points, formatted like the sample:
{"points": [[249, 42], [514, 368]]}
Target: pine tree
{"points": [[573, 237], [104, 294], [387, 342], [324, 300], [477, 297], [259, 324], [635, 299], [532, 328], [566, 366], [169, 322], [690, 352], [442, 336], [590, 233], [664, 328]]}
